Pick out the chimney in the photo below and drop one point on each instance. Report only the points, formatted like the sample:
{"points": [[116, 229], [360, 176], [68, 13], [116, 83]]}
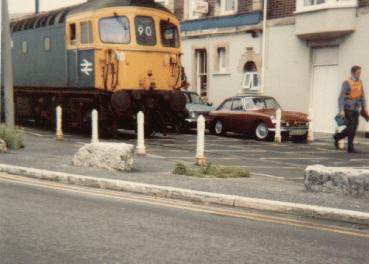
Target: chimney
{"points": [[37, 6]]}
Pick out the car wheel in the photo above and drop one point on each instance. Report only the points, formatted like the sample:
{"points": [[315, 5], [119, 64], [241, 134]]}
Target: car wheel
{"points": [[261, 131], [218, 128]]}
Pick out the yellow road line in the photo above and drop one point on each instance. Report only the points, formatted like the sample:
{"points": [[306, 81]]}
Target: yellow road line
{"points": [[187, 206]]}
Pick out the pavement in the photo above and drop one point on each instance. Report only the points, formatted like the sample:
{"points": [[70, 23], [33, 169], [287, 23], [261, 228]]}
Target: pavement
{"points": [[277, 169], [49, 223]]}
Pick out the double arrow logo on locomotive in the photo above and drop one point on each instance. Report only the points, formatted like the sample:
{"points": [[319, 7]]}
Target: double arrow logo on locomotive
{"points": [[86, 67]]}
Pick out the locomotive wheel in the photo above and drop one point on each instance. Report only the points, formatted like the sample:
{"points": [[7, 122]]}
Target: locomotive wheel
{"points": [[121, 101]]}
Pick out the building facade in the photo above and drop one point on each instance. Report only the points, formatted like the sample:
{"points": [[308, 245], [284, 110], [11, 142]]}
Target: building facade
{"points": [[311, 46]]}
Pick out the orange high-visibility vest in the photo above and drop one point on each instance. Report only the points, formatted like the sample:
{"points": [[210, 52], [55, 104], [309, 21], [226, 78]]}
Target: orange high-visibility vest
{"points": [[356, 89]]}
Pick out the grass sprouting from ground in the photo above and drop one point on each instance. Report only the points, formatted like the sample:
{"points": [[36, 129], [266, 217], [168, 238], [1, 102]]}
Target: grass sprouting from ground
{"points": [[13, 137], [211, 171]]}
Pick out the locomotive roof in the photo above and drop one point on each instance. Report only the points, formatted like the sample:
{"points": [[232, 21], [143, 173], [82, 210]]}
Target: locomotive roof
{"points": [[58, 16], [99, 4]]}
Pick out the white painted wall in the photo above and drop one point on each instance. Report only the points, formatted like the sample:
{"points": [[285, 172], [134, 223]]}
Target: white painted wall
{"points": [[288, 66], [221, 86], [287, 75]]}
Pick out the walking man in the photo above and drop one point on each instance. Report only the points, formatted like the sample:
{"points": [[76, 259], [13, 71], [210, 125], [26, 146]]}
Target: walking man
{"points": [[351, 102]]}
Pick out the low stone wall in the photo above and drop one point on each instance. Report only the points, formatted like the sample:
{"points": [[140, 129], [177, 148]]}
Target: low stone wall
{"points": [[350, 181]]}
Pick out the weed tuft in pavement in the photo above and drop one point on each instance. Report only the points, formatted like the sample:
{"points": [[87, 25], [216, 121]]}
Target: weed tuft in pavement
{"points": [[13, 137], [211, 171]]}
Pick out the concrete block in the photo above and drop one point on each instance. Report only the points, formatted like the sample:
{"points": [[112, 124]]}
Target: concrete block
{"points": [[3, 147], [350, 181], [109, 156]]}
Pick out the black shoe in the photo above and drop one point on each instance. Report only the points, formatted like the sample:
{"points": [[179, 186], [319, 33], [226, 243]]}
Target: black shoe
{"points": [[353, 151], [336, 142]]}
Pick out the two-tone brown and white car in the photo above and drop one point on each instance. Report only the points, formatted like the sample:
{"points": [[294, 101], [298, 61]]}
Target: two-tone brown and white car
{"points": [[256, 116]]}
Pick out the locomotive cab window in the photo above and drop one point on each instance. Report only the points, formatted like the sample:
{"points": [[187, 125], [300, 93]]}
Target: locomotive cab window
{"points": [[169, 34], [115, 30], [86, 33], [72, 34], [145, 31]]}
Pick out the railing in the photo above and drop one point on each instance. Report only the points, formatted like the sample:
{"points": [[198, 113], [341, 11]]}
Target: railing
{"points": [[313, 5]]}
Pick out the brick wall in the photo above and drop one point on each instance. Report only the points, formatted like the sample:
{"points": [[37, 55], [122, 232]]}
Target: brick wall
{"points": [[364, 2], [281, 8], [276, 8]]}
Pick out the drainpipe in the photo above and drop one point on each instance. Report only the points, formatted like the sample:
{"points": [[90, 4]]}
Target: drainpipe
{"points": [[37, 6], [263, 48]]}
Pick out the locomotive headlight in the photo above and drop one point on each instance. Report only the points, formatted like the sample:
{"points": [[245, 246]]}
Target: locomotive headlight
{"points": [[173, 59]]}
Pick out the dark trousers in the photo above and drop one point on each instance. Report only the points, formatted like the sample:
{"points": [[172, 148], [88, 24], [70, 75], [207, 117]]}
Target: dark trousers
{"points": [[352, 122]]}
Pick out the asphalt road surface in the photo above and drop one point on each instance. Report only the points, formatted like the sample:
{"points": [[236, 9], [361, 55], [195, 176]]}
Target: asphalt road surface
{"points": [[43, 222]]}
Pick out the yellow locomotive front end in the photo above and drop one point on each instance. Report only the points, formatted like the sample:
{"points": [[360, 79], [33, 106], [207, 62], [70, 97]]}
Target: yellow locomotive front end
{"points": [[131, 55]]}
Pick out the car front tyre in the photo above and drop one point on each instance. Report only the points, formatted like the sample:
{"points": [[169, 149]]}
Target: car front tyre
{"points": [[261, 132], [218, 128]]}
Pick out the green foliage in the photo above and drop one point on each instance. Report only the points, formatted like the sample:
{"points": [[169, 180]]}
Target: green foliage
{"points": [[14, 138], [211, 171]]}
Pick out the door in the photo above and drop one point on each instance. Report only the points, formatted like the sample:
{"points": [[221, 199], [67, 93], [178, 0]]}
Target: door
{"points": [[81, 55], [325, 89], [224, 113], [237, 117]]}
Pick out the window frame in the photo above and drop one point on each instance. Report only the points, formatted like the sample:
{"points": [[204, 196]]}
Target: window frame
{"points": [[302, 7], [251, 85], [221, 107], [222, 61], [115, 43], [176, 31], [90, 33], [73, 42], [223, 6], [240, 100]]}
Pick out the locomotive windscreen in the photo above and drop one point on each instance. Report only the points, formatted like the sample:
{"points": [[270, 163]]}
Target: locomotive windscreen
{"points": [[115, 30], [145, 30]]}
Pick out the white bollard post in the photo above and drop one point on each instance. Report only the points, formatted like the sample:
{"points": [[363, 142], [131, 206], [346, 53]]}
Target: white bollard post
{"points": [[200, 153], [278, 135], [141, 149], [95, 127], [310, 137], [59, 123]]}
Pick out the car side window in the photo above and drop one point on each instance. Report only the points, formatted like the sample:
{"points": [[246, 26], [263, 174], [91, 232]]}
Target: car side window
{"points": [[237, 105], [248, 103], [227, 105]]}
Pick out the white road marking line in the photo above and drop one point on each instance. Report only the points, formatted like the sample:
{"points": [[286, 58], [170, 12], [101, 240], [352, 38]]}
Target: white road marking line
{"points": [[268, 176], [35, 134], [291, 158], [155, 156], [272, 167]]}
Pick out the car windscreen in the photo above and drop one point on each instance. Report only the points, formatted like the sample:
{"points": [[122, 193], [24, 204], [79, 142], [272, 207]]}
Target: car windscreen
{"points": [[266, 103], [115, 30], [169, 34], [196, 99], [145, 31]]}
